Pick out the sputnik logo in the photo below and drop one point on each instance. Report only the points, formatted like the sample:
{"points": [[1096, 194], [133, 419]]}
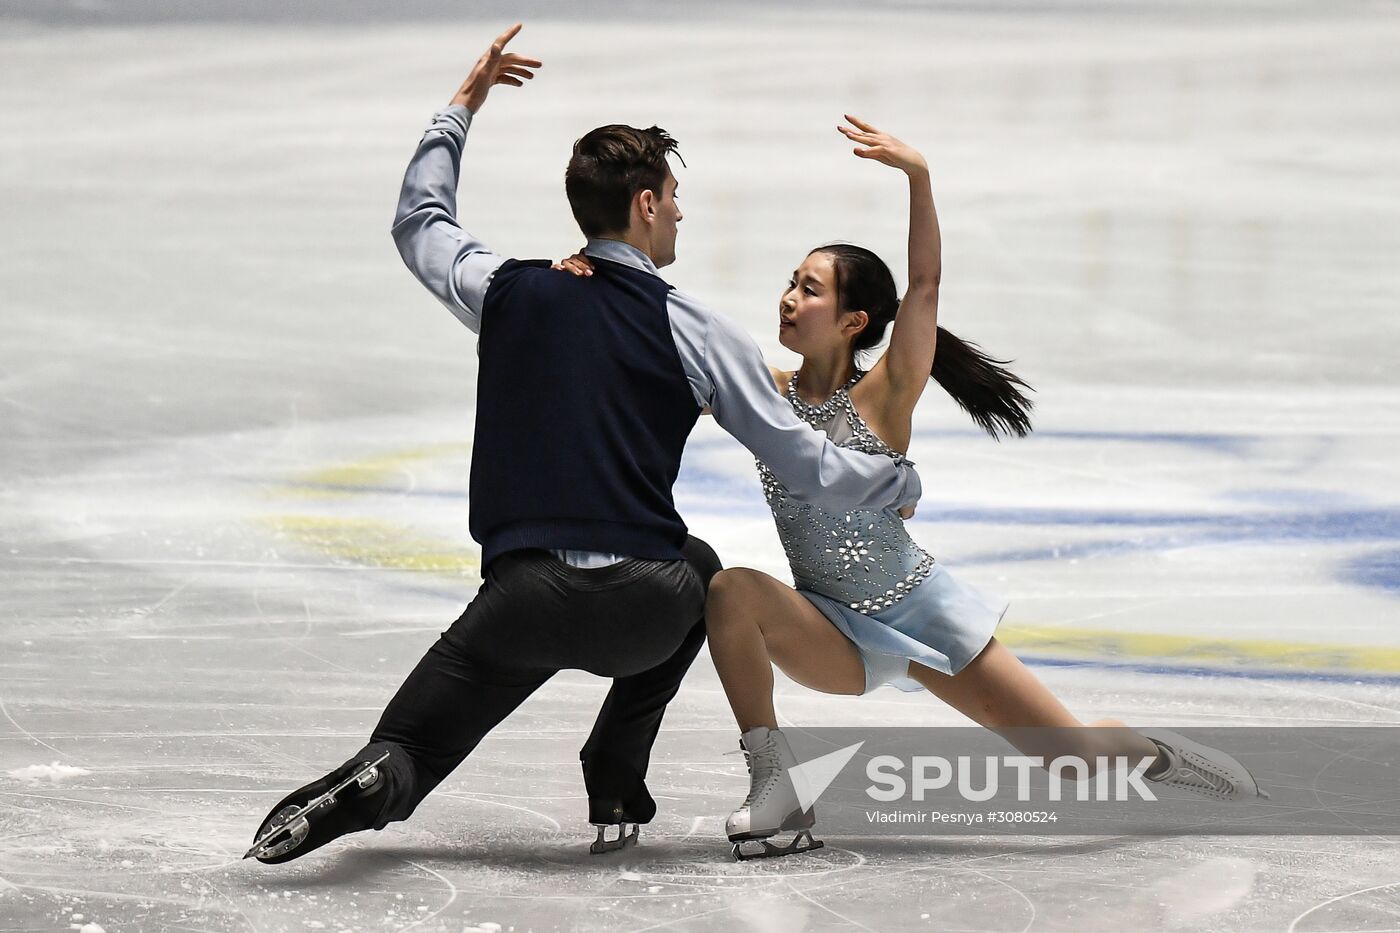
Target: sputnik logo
{"points": [[811, 778]]}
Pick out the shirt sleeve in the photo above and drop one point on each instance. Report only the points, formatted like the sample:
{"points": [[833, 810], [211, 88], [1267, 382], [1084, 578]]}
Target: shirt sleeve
{"points": [[453, 264], [726, 372]]}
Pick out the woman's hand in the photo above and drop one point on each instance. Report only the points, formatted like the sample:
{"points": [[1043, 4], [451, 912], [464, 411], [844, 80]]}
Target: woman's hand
{"points": [[578, 264], [495, 66], [882, 147]]}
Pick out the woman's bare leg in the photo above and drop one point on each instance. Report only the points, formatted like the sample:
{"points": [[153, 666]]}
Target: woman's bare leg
{"points": [[754, 621], [997, 691]]}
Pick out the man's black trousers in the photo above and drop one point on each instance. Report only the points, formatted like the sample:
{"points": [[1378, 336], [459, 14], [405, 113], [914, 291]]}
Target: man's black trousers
{"points": [[640, 622]]}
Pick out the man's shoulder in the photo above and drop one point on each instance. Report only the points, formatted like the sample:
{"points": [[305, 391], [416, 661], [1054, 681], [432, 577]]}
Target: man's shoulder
{"points": [[526, 263]]}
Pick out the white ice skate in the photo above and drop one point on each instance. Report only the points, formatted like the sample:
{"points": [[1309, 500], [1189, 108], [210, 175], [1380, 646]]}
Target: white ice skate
{"points": [[772, 806], [1200, 769]]}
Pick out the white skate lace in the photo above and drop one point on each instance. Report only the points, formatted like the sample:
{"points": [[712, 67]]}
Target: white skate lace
{"points": [[770, 767], [1194, 772]]}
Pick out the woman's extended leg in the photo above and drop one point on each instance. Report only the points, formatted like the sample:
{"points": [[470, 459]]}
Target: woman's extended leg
{"points": [[997, 691], [753, 619]]}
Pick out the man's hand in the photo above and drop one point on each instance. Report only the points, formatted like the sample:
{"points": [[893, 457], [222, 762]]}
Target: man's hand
{"points": [[496, 66], [907, 512]]}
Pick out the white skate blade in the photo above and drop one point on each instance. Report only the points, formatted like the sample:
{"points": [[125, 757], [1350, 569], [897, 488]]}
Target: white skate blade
{"points": [[625, 837], [763, 848], [295, 821]]}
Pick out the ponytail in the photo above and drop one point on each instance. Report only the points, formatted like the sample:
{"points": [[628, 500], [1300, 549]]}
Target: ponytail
{"points": [[980, 384]]}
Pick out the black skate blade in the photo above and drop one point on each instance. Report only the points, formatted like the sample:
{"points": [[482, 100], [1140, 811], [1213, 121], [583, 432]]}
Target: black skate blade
{"points": [[624, 837], [295, 821], [801, 842]]}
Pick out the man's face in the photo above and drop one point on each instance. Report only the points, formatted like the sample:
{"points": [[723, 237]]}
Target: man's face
{"points": [[663, 227]]}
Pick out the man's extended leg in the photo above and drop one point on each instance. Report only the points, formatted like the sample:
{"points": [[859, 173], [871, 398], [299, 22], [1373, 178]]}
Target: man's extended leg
{"points": [[477, 673], [443, 711], [617, 753]]}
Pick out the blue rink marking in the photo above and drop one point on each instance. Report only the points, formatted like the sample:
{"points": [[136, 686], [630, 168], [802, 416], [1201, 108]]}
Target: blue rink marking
{"points": [[1158, 668], [1378, 569], [1349, 525], [1292, 515]]}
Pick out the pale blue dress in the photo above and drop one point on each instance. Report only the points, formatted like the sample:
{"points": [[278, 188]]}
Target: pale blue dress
{"points": [[863, 571]]}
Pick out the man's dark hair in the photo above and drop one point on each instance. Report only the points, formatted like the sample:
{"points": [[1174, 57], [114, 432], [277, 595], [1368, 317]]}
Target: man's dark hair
{"points": [[609, 165]]}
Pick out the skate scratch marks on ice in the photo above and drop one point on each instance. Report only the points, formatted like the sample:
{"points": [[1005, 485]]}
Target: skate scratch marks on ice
{"points": [[820, 906], [232, 903], [92, 803], [1041, 851], [451, 888], [1319, 695], [1030, 921], [509, 806], [1292, 927], [954, 866], [31, 735], [306, 634]]}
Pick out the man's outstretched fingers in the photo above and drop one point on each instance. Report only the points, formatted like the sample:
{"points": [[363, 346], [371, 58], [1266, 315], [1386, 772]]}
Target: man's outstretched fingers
{"points": [[495, 67]]}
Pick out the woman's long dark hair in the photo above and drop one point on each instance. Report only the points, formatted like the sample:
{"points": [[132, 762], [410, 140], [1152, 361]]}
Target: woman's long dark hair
{"points": [[981, 384]]}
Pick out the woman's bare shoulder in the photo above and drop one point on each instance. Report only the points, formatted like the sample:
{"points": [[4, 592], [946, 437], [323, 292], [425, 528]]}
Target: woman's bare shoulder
{"points": [[780, 378]]}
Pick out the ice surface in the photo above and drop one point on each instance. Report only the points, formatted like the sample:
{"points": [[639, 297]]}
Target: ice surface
{"points": [[234, 437]]}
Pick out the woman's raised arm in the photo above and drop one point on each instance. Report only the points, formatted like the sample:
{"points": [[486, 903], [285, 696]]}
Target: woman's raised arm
{"points": [[909, 359]]}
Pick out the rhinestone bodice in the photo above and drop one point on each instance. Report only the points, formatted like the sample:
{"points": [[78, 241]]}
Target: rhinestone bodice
{"points": [[864, 558]]}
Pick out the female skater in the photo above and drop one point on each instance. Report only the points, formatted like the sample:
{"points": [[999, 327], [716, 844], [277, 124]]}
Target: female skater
{"points": [[870, 606]]}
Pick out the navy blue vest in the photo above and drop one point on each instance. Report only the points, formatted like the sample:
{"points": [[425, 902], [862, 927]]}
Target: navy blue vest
{"points": [[582, 413]]}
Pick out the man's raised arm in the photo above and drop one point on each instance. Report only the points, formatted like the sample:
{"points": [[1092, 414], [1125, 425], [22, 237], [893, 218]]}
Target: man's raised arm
{"points": [[453, 265]]}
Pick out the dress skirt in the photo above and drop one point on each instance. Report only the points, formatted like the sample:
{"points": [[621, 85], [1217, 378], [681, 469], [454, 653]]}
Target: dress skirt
{"points": [[942, 624]]}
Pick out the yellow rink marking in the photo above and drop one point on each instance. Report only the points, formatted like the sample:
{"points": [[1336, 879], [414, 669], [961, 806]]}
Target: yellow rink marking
{"points": [[387, 545], [1109, 645], [373, 543], [358, 477]]}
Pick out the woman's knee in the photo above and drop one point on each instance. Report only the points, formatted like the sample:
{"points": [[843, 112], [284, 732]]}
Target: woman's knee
{"points": [[737, 588], [741, 596]]}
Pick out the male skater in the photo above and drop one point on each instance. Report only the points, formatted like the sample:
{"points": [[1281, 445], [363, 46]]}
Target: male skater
{"points": [[587, 390]]}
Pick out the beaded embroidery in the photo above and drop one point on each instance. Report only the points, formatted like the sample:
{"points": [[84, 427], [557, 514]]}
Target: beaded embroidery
{"points": [[865, 558]]}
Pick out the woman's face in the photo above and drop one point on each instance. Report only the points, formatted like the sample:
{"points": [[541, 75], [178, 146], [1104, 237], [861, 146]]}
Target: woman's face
{"points": [[810, 321]]}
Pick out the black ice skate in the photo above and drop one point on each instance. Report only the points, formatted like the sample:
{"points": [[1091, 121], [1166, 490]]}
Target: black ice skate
{"points": [[311, 816], [627, 833], [617, 796]]}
